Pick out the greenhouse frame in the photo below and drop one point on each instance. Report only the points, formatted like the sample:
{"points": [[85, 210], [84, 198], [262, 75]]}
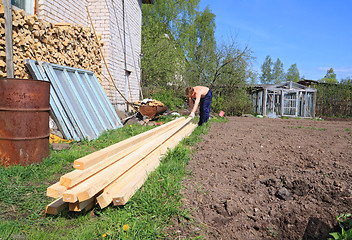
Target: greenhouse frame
{"points": [[288, 99]]}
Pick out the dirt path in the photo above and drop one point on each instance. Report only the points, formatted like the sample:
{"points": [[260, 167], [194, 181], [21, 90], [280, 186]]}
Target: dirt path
{"points": [[270, 179]]}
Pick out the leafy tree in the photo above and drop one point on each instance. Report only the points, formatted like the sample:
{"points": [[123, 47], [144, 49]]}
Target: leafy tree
{"points": [[278, 73], [233, 69], [167, 27], [292, 74], [162, 60], [200, 52], [266, 76], [330, 77], [253, 76], [347, 81], [330, 74], [233, 65]]}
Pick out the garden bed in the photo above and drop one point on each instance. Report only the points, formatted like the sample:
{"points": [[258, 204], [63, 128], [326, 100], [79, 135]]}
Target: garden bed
{"points": [[269, 179]]}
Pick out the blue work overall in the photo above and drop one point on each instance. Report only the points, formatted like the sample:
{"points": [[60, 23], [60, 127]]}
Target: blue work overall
{"points": [[204, 108]]}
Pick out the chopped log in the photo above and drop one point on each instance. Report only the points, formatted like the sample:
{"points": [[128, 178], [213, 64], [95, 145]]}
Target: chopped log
{"points": [[2, 10], [28, 31], [56, 206], [30, 20], [21, 13], [2, 63], [99, 181]]}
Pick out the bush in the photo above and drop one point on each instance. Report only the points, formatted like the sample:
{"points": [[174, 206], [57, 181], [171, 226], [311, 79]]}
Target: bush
{"points": [[235, 103], [173, 97], [334, 100]]}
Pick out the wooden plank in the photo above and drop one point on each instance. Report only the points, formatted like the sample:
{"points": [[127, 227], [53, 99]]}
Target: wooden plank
{"points": [[56, 206], [140, 171], [124, 192], [101, 155], [56, 190], [99, 181], [104, 199], [73, 178], [8, 38], [85, 205]]}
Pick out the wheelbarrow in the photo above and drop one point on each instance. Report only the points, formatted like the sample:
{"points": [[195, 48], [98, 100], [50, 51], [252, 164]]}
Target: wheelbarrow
{"points": [[151, 111]]}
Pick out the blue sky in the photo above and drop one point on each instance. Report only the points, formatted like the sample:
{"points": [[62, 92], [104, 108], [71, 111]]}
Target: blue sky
{"points": [[316, 35]]}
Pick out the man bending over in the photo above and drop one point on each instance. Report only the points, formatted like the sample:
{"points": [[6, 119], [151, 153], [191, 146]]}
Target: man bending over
{"points": [[203, 97]]}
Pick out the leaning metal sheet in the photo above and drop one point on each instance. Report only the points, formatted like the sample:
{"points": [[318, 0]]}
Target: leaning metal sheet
{"points": [[87, 112], [60, 116]]}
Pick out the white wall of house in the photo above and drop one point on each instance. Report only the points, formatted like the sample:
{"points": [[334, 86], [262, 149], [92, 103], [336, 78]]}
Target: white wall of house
{"points": [[119, 22]]}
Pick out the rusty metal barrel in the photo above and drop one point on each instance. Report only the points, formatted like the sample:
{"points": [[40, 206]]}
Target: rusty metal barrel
{"points": [[24, 121]]}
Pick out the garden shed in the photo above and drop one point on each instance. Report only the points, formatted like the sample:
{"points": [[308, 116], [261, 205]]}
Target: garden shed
{"points": [[285, 99]]}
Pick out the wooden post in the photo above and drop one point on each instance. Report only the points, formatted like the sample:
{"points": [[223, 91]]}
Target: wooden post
{"points": [[274, 102], [282, 102], [314, 103], [8, 38], [264, 102], [296, 113], [306, 110]]}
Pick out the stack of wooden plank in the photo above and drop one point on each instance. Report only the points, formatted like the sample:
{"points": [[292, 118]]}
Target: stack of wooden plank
{"points": [[62, 44], [115, 173]]}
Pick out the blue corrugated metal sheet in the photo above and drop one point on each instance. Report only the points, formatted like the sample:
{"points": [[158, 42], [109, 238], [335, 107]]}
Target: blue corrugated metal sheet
{"points": [[78, 103]]}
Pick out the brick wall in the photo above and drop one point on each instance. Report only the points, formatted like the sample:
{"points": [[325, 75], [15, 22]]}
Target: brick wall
{"points": [[63, 11], [119, 23]]}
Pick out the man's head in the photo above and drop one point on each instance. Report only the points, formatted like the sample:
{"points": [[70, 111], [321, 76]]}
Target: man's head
{"points": [[189, 91]]}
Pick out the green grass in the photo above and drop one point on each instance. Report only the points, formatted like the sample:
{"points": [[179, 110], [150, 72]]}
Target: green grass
{"points": [[148, 214], [311, 128], [218, 119], [345, 223]]}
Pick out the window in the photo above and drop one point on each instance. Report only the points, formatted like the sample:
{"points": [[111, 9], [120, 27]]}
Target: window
{"points": [[26, 5]]}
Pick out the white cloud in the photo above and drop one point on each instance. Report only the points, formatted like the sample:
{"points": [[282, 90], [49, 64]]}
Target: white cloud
{"points": [[341, 72], [337, 70], [344, 70]]}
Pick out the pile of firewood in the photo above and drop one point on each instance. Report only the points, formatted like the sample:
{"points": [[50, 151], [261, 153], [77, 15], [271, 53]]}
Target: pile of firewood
{"points": [[115, 173], [63, 44], [151, 102]]}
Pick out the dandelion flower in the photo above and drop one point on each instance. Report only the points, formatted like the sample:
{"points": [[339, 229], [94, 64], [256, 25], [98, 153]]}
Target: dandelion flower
{"points": [[104, 235], [125, 227]]}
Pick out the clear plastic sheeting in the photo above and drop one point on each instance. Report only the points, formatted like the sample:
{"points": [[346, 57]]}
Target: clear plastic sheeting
{"points": [[272, 115], [78, 103]]}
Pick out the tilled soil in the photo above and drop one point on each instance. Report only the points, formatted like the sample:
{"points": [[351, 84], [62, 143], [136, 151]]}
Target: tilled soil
{"points": [[258, 178]]}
